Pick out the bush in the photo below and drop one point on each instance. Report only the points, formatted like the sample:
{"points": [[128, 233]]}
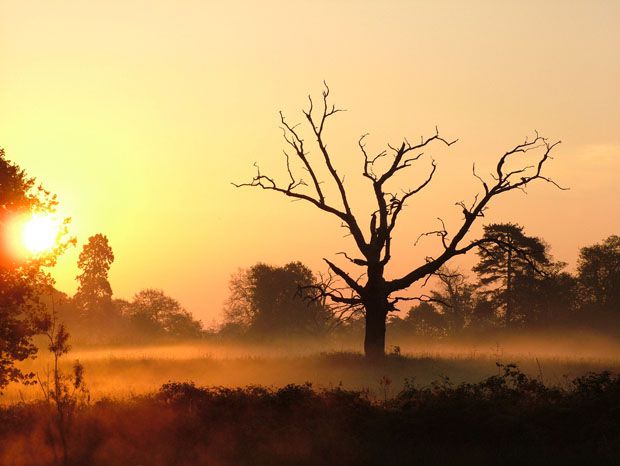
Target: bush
{"points": [[507, 419]]}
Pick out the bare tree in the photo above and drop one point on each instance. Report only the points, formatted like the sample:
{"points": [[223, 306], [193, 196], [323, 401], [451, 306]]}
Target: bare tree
{"points": [[373, 292]]}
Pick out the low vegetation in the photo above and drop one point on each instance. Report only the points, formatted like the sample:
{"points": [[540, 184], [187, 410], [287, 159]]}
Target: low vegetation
{"points": [[508, 418]]}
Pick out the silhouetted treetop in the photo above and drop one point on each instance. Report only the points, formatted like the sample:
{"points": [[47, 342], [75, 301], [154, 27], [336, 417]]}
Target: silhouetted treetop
{"points": [[94, 292], [598, 271], [269, 300], [154, 314]]}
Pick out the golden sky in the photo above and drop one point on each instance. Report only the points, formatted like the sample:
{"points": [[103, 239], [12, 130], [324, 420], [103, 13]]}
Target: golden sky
{"points": [[139, 114]]}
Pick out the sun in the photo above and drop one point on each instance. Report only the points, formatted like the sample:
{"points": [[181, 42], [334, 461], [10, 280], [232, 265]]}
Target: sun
{"points": [[39, 233]]}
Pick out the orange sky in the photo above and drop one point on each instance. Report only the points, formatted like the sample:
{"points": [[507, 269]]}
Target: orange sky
{"points": [[139, 114]]}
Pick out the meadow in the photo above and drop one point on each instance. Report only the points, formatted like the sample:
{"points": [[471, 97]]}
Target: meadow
{"points": [[117, 372], [510, 400], [508, 418]]}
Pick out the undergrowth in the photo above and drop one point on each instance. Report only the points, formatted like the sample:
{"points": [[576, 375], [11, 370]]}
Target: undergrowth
{"points": [[508, 419]]}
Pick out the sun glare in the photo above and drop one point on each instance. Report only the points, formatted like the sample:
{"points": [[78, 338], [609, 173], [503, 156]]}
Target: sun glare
{"points": [[39, 234]]}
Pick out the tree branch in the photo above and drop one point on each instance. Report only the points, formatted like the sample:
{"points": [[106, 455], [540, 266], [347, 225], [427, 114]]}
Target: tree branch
{"points": [[353, 284], [503, 182], [268, 183]]}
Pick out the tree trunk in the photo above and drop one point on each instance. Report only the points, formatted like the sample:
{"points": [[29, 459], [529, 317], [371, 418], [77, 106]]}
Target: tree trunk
{"points": [[374, 339]]}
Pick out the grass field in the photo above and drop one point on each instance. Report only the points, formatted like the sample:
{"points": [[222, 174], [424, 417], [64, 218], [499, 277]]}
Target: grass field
{"points": [[322, 403], [125, 371]]}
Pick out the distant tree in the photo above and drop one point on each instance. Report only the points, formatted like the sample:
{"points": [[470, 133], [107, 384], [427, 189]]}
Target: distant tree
{"points": [[122, 306], [94, 293], [423, 319], [598, 272], [484, 315], [455, 298], [22, 280], [547, 300], [153, 314], [269, 300], [372, 290], [509, 257]]}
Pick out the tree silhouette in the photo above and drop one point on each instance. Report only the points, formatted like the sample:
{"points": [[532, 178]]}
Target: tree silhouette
{"points": [[548, 300], [154, 314], [94, 293], [266, 300], [423, 319], [599, 277], [455, 297], [374, 293], [514, 257], [22, 280]]}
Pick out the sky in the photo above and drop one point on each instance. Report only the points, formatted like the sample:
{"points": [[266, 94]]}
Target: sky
{"points": [[140, 114]]}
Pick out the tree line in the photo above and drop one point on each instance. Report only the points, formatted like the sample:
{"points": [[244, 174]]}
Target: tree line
{"points": [[528, 290], [30, 305], [93, 315], [512, 293], [515, 288]]}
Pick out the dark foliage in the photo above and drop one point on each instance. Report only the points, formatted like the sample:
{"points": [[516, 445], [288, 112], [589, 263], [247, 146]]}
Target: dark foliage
{"points": [[22, 280], [509, 266], [456, 300], [154, 315], [422, 319], [94, 293], [267, 300], [599, 280], [522, 289], [507, 419]]}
